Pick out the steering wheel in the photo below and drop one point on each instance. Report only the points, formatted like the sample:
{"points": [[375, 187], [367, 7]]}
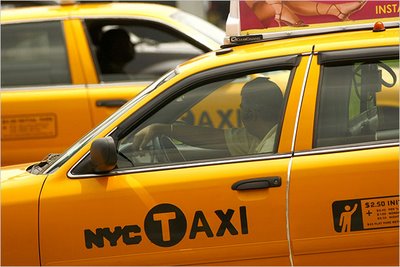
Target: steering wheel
{"points": [[161, 149], [171, 152], [384, 66], [391, 72]]}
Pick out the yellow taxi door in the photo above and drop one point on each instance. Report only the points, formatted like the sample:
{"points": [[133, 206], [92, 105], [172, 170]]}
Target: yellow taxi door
{"points": [[215, 211], [153, 48], [171, 217], [103, 98], [44, 99], [344, 187]]}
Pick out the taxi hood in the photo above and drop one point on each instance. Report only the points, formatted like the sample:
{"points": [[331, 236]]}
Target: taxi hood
{"points": [[15, 172], [20, 193]]}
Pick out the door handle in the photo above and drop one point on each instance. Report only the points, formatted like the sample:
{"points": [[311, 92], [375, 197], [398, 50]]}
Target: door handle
{"points": [[111, 103], [257, 183]]}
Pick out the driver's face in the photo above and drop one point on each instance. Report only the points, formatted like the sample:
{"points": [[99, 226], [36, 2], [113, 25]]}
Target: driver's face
{"points": [[246, 112]]}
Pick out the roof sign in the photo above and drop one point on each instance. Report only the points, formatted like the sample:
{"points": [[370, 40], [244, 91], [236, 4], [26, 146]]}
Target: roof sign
{"points": [[264, 16]]}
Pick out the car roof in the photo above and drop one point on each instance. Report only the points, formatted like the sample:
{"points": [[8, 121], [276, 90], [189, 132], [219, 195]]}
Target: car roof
{"points": [[154, 12], [330, 41], [86, 9]]}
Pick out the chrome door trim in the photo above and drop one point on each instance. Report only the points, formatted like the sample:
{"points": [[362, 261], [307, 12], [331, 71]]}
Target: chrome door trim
{"points": [[296, 125], [175, 166], [353, 147]]}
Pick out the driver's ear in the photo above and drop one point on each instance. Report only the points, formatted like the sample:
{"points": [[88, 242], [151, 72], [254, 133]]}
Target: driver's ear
{"points": [[252, 114], [249, 114], [246, 114]]}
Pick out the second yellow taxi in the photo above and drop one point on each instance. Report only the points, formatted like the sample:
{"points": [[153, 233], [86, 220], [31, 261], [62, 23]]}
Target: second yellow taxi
{"points": [[65, 68]]}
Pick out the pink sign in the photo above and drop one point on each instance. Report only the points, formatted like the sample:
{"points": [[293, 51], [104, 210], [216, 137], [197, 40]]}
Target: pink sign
{"points": [[257, 14]]}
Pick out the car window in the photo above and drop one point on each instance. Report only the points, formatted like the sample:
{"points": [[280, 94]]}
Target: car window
{"points": [[33, 54], [61, 159], [133, 50], [358, 102], [231, 117]]}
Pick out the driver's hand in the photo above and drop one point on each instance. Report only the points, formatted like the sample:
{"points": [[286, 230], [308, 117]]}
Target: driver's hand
{"points": [[144, 136]]}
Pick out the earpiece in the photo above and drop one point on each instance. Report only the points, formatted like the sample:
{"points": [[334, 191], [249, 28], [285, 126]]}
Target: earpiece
{"points": [[249, 114]]}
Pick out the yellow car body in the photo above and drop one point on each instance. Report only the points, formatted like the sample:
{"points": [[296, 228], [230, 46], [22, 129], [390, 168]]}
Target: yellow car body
{"points": [[53, 91], [319, 198]]}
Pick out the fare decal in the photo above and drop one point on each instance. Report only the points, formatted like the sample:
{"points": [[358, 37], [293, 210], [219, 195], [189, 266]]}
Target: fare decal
{"points": [[366, 214]]}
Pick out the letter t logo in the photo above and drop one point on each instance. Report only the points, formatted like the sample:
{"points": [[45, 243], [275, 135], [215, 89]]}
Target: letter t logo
{"points": [[165, 218]]}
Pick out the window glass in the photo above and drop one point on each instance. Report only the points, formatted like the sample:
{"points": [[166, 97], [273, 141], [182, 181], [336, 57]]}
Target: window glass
{"points": [[231, 117], [359, 102], [204, 27], [132, 50], [33, 54]]}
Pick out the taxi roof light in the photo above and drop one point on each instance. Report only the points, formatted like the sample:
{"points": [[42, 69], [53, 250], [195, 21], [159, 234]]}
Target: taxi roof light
{"points": [[379, 27], [67, 2]]}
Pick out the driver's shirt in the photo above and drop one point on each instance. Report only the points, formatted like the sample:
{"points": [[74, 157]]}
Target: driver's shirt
{"points": [[240, 142]]}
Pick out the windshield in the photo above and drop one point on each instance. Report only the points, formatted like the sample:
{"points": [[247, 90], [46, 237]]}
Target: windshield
{"points": [[200, 25], [96, 131]]}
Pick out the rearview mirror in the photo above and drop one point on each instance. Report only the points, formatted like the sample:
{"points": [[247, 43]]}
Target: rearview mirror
{"points": [[103, 154]]}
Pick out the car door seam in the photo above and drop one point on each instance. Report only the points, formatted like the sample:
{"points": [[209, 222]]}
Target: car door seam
{"points": [[292, 154], [301, 100], [38, 220]]}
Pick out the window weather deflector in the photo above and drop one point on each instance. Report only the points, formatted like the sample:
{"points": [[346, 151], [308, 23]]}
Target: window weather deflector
{"points": [[358, 54]]}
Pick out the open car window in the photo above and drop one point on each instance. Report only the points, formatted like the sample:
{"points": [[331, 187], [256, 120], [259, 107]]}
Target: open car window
{"points": [[137, 50], [193, 123]]}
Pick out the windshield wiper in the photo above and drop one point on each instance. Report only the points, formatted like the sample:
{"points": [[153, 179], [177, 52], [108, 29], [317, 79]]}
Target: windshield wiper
{"points": [[43, 164]]}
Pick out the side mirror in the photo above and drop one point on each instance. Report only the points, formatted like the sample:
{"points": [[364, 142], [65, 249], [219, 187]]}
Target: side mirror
{"points": [[103, 153]]}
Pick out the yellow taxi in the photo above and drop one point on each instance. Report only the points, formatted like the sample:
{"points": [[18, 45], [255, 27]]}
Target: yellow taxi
{"points": [[65, 68], [308, 175]]}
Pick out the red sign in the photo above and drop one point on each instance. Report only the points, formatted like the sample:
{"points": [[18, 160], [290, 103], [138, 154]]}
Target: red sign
{"points": [[257, 14]]}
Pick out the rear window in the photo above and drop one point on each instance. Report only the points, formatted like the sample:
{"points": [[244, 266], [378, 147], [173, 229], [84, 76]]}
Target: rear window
{"points": [[358, 102], [33, 54]]}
